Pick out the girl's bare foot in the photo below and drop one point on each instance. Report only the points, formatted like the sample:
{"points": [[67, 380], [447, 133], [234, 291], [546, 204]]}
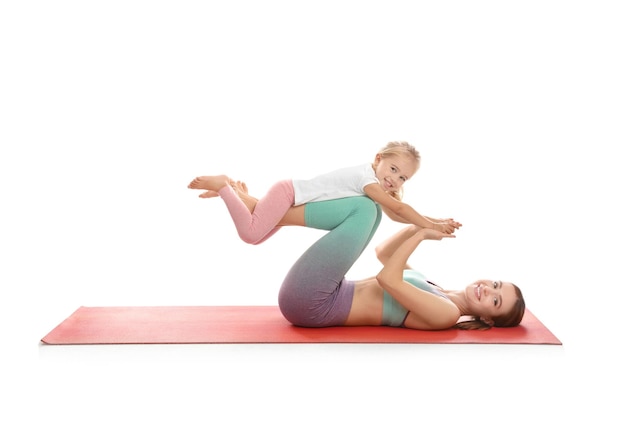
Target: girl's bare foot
{"points": [[212, 184], [239, 187], [209, 194]]}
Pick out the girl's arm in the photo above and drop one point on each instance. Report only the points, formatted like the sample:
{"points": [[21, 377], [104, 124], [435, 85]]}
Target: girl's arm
{"points": [[433, 311], [401, 212], [396, 210], [394, 217]]}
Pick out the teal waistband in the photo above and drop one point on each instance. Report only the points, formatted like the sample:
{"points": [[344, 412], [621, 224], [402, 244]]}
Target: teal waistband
{"points": [[394, 313]]}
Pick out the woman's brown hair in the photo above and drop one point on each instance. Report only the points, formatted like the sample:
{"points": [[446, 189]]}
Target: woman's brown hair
{"points": [[512, 318]]}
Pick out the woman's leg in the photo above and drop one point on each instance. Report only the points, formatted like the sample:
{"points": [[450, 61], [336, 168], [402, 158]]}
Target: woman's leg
{"points": [[314, 292], [257, 226]]}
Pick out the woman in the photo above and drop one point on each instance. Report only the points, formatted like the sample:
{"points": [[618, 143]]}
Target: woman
{"points": [[315, 292], [488, 303]]}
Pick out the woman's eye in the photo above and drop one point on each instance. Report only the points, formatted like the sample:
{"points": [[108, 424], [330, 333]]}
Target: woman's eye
{"points": [[495, 302], [495, 284]]}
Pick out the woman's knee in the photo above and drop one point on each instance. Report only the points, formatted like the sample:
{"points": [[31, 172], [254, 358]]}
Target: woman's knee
{"points": [[367, 207]]}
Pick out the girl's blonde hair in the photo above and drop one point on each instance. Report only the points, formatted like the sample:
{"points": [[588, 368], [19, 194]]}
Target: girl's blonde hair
{"points": [[398, 148]]}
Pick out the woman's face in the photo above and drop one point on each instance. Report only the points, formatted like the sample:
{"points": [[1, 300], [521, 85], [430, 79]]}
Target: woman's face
{"points": [[489, 299], [394, 170]]}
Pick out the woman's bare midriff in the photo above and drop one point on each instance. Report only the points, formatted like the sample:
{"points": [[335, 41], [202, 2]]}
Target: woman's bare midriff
{"points": [[367, 304]]}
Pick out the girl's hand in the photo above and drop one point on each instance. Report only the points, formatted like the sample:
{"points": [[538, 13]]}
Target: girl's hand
{"points": [[447, 226]]}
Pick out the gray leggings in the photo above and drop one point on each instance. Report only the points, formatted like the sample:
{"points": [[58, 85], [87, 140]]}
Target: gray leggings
{"points": [[315, 292]]}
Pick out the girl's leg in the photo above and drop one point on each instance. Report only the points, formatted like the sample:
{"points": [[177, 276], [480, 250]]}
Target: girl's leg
{"points": [[314, 292], [257, 226], [293, 217]]}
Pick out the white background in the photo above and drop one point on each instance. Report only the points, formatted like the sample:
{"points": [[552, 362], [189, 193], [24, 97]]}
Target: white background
{"points": [[109, 109]]}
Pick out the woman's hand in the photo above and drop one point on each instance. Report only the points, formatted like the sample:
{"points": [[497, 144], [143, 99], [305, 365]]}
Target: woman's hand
{"points": [[432, 234]]}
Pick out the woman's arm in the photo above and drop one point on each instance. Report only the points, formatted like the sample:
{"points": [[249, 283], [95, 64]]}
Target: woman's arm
{"points": [[385, 250], [433, 311]]}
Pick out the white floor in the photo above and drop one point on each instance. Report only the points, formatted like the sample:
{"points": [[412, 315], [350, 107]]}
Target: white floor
{"points": [[109, 111]]}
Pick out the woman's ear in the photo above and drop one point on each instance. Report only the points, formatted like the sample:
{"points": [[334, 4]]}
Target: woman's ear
{"points": [[487, 320]]}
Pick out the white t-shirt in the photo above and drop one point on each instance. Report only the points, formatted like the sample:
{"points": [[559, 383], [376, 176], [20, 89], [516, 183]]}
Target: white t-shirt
{"points": [[340, 183]]}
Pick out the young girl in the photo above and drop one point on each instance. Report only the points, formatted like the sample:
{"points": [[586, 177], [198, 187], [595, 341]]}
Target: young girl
{"points": [[382, 181]]}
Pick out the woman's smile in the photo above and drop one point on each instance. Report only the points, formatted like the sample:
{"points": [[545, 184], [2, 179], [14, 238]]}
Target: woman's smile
{"points": [[478, 289]]}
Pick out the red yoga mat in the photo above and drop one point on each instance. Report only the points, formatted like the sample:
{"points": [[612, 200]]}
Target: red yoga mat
{"points": [[256, 324]]}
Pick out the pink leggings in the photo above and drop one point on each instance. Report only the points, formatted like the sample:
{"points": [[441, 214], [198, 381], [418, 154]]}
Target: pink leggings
{"points": [[261, 224]]}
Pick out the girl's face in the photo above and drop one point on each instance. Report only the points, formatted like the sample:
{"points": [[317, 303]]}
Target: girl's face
{"points": [[489, 299], [394, 170]]}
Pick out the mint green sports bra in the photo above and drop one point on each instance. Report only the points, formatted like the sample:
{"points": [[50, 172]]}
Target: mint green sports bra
{"points": [[395, 314]]}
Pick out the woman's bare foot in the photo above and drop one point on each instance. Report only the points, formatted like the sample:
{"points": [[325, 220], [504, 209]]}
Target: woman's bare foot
{"points": [[212, 184]]}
